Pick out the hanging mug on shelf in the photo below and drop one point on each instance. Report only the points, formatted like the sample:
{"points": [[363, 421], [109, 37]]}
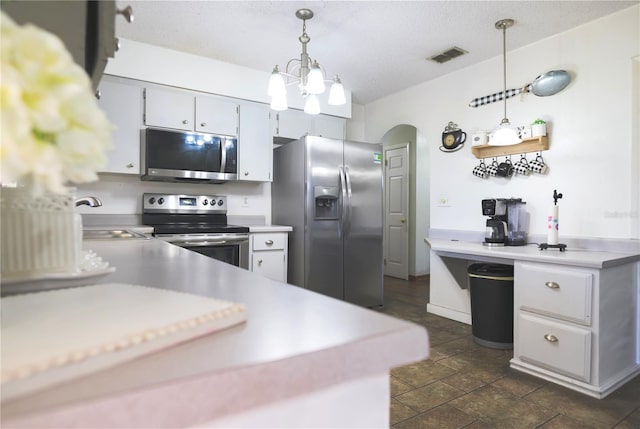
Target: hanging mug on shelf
{"points": [[481, 170], [522, 167], [505, 169], [493, 168], [538, 165]]}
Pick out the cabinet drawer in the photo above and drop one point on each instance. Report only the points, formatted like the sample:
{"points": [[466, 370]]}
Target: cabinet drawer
{"points": [[560, 292], [562, 348], [268, 241]]}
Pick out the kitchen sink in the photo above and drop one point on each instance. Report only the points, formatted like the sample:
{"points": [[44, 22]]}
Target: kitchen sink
{"points": [[112, 234]]}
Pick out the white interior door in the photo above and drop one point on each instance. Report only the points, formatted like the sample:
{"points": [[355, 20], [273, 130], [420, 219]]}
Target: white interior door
{"points": [[396, 222]]}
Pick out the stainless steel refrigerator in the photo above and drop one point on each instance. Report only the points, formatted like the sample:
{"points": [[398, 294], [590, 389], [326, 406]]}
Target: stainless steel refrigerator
{"points": [[330, 192]]}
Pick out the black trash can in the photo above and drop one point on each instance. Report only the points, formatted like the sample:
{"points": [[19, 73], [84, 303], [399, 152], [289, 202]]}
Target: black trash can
{"points": [[491, 288]]}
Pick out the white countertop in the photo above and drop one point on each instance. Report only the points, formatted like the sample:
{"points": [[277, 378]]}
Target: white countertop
{"points": [[270, 228], [295, 341], [571, 256]]}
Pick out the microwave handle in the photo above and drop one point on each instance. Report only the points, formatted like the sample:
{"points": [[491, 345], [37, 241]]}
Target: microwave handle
{"points": [[223, 155]]}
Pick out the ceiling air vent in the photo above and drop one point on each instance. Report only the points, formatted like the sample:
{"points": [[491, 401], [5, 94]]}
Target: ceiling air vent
{"points": [[448, 55]]}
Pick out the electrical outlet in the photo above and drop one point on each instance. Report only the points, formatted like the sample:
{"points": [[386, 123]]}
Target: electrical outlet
{"points": [[245, 201], [443, 201]]}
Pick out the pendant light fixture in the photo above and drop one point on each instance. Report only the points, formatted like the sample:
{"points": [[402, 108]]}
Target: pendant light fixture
{"points": [[308, 74], [505, 134]]}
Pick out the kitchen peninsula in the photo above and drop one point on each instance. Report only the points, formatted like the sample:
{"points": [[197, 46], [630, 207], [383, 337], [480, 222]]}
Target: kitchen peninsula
{"points": [[298, 355], [576, 313]]}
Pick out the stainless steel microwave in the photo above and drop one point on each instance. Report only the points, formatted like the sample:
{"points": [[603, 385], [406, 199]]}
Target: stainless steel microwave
{"points": [[181, 156]]}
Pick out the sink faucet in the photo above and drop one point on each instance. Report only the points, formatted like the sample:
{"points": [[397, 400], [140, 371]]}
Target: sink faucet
{"points": [[88, 201]]}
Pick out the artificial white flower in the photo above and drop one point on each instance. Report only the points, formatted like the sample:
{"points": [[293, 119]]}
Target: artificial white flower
{"points": [[53, 132]]}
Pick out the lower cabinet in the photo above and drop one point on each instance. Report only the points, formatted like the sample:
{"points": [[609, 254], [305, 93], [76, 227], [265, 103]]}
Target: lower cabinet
{"points": [[577, 326], [268, 254]]}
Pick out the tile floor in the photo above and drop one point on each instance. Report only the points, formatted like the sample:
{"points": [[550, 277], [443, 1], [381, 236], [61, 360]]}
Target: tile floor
{"points": [[463, 385]]}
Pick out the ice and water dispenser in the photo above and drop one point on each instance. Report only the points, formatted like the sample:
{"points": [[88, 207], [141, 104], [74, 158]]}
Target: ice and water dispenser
{"points": [[326, 202]]}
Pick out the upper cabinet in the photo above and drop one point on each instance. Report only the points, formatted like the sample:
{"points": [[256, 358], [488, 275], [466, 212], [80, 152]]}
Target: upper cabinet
{"points": [[290, 124], [182, 110], [255, 153], [329, 126], [122, 103], [216, 115], [293, 124]]}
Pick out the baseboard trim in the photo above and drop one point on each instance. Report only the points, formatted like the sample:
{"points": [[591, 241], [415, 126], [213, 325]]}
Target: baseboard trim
{"points": [[449, 313], [419, 278]]}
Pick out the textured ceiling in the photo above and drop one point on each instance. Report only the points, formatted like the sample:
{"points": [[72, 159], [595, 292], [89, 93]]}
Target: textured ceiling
{"points": [[377, 47]]}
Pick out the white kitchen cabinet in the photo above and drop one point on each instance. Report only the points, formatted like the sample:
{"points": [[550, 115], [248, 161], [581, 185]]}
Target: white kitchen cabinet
{"points": [[169, 108], [291, 124], [329, 126], [268, 254], [255, 144], [121, 100], [216, 115], [577, 326], [184, 110]]}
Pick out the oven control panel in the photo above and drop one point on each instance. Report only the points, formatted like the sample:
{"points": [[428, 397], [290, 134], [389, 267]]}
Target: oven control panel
{"points": [[170, 203]]}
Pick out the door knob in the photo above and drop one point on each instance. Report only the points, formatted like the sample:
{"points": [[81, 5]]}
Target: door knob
{"points": [[403, 220], [127, 12]]}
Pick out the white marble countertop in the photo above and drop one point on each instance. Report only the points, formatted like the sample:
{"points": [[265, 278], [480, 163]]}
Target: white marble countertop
{"points": [[295, 342], [571, 256]]}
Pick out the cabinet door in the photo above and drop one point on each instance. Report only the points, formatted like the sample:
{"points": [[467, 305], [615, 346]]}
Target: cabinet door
{"points": [[122, 103], [217, 116], [255, 147], [292, 124], [329, 126], [270, 264], [168, 108]]}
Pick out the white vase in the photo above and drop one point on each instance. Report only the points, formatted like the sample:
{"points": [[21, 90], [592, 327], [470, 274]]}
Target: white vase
{"points": [[39, 233], [538, 130]]}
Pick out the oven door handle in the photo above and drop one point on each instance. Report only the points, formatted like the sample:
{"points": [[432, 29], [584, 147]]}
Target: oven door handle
{"points": [[211, 242]]}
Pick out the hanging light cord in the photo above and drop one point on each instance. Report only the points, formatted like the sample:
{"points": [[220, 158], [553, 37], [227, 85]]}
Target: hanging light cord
{"points": [[504, 69]]}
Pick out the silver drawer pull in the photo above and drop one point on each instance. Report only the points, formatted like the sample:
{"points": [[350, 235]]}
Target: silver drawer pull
{"points": [[551, 338], [268, 242], [552, 285], [259, 261], [203, 124], [184, 121]]}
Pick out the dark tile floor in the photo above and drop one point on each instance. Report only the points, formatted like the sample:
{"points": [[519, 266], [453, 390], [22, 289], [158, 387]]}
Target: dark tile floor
{"points": [[463, 385]]}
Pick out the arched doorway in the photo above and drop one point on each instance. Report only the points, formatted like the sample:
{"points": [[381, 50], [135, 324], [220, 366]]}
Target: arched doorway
{"points": [[403, 193]]}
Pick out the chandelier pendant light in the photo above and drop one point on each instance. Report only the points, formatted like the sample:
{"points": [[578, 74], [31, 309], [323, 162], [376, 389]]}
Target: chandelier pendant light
{"points": [[308, 74], [505, 134]]}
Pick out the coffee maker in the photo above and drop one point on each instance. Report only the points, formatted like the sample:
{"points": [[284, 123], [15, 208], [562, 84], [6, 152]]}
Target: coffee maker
{"points": [[507, 223]]}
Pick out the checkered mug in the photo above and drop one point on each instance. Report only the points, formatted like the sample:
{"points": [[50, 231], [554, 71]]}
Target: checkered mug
{"points": [[493, 168], [522, 166], [481, 170], [538, 165]]}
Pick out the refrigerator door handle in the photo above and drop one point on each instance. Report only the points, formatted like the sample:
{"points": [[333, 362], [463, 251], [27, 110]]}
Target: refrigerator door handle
{"points": [[343, 200], [348, 202]]}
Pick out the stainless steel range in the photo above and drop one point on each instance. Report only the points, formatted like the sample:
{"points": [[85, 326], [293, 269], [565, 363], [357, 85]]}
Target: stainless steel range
{"points": [[198, 223]]}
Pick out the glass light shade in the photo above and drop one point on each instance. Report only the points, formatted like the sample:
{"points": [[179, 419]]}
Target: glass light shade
{"points": [[336, 93], [312, 105], [279, 102], [276, 84], [505, 135], [315, 80]]}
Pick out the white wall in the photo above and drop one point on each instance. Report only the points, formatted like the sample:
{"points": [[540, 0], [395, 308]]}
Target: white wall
{"points": [[593, 149], [122, 194]]}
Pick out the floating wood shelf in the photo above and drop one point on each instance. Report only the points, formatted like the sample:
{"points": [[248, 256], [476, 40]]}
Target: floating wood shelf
{"points": [[534, 144]]}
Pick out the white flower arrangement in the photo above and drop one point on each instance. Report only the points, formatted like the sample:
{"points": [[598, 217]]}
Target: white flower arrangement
{"points": [[53, 132]]}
